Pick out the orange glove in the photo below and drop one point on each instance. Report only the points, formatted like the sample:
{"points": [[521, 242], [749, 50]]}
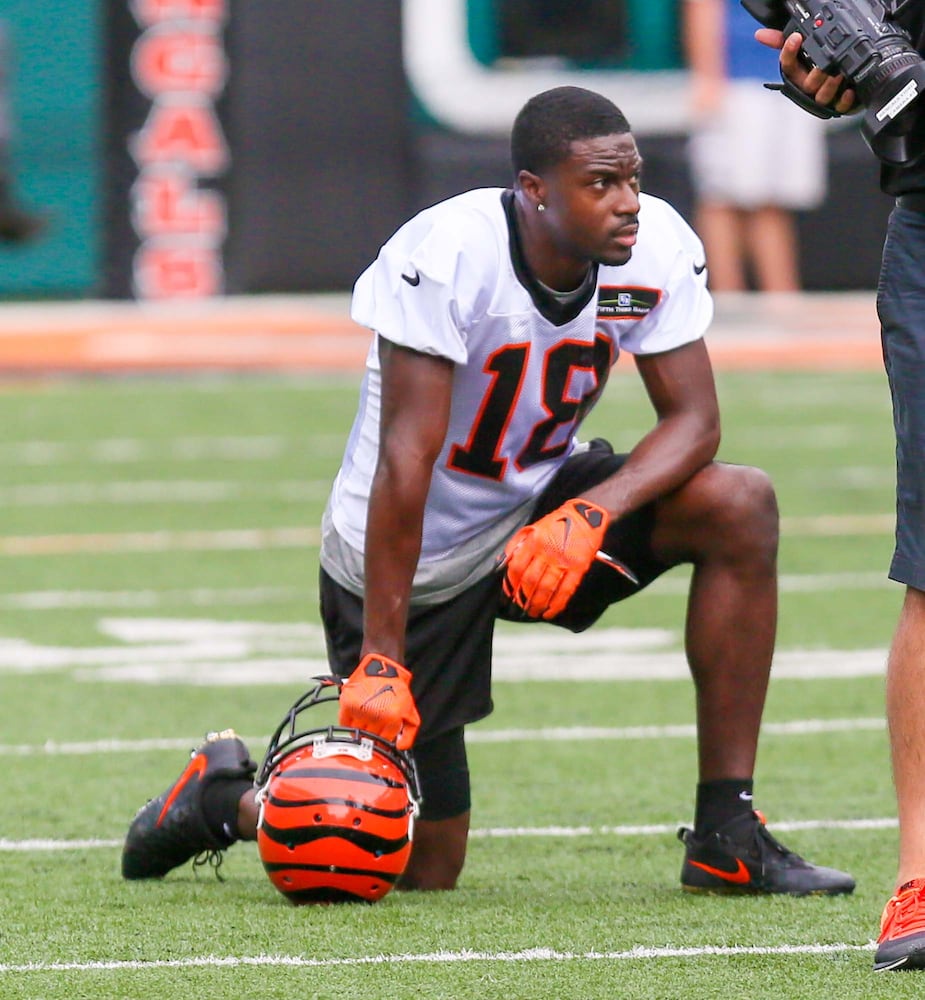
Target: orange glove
{"points": [[545, 561], [377, 697]]}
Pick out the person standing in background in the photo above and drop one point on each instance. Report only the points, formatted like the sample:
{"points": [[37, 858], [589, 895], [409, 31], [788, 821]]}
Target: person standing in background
{"points": [[16, 224], [900, 295], [755, 160]]}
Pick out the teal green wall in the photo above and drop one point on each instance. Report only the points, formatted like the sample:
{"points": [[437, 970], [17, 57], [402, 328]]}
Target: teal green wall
{"points": [[56, 80], [653, 30]]}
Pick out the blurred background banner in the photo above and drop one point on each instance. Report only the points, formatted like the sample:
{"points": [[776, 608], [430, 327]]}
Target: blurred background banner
{"points": [[187, 148], [168, 154]]}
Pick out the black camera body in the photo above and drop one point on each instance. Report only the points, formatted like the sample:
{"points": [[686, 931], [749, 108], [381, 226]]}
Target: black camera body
{"points": [[858, 39]]}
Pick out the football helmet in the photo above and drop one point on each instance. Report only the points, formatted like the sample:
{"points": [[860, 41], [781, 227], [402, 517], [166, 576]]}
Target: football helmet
{"points": [[336, 808]]}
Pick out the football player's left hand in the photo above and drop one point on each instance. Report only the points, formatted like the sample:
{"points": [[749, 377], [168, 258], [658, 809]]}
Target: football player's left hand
{"points": [[545, 561], [377, 697]]}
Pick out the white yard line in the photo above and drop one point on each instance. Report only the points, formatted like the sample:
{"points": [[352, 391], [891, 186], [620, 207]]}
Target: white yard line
{"points": [[300, 537], [564, 734], [156, 650], [838, 524], [126, 451], [240, 539], [670, 586], [175, 492], [10, 846], [201, 597], [569, 734], [792, 583], [119, 451], [440, 958]]}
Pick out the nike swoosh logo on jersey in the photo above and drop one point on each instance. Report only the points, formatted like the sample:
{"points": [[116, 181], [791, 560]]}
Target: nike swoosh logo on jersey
{"points": [[197, 766], [414, 280], [698, 268], [739, 877]]}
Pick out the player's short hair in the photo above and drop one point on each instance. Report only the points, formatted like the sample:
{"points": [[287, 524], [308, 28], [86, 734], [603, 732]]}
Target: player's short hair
{"points": [[550, 122]]}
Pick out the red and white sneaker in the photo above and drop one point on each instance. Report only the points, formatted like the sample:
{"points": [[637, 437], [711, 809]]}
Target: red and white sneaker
{"points": [[901, 944]]}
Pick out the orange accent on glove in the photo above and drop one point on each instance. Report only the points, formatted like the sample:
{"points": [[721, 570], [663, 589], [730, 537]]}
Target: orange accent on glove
{"points": [[545, 561], [377, 697]]}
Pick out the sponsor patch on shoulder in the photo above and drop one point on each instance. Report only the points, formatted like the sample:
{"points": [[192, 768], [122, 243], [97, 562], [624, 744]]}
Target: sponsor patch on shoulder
{"points": [[626, 301]]}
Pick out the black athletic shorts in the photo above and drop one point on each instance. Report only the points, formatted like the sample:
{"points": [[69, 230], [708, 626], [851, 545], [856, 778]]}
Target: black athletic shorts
{"points": [[900, 295], [448, 646]]}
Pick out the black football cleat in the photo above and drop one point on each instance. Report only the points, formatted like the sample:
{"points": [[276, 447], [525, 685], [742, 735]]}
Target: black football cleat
{"points": [[901, 944], [171, 829], [741, 856]]}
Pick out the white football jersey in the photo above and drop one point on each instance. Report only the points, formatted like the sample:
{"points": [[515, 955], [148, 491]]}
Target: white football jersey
{"points": [[451, 282]]}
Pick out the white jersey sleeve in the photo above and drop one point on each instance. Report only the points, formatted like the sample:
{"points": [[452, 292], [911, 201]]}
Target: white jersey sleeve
{"points": [[431, 278]]}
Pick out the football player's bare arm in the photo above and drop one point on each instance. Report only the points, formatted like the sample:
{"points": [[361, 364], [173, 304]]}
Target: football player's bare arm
{"points": [[416, 390], [684, 439]]}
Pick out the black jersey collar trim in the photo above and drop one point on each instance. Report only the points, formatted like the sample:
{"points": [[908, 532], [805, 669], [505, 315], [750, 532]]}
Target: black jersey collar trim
{"points": [[549, 307]]}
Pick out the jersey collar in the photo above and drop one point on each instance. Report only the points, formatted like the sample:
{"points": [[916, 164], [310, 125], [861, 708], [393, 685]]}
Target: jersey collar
{"points": [[558, 313]]}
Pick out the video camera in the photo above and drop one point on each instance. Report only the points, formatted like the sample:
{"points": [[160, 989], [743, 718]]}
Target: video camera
{"points": [[859, 39]]}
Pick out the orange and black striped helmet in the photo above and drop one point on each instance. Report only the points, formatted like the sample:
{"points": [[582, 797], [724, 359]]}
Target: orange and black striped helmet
{"points": [[337, 808]]}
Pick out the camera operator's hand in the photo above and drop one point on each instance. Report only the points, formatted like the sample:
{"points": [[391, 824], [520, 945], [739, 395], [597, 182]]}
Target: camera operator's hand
{"points": [[824, 88]]}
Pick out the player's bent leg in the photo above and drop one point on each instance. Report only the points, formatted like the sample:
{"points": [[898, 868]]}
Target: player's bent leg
{"points": [[722, 509], [438, 854], [724, 521]]}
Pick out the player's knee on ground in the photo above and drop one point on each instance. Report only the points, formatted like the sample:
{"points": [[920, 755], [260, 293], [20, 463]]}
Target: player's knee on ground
{"points": [[438, 851], [438, 854]]}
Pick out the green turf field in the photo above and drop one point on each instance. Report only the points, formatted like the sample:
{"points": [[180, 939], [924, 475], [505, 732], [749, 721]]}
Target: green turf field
{"points": [[158, 547]]}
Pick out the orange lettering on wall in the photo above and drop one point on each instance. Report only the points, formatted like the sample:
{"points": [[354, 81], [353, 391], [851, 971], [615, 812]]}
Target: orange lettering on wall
{"points": [[177, 272], [148, 12], [191, 61], [184, 130], [180, 64], [168, 202]]}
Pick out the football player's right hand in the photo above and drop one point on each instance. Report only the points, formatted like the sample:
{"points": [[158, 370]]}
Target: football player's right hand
{"points": [[377, 697], [545, 562]]}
